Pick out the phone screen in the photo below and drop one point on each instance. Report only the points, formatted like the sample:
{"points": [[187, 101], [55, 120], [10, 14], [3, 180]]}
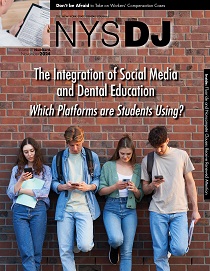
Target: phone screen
{"points": [[125, 180], [29, 169], [159, 177]]}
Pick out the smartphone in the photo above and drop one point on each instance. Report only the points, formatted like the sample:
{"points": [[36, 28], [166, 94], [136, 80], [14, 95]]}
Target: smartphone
{"points": [[29, 169], [159, 177], [126, 180], [75, 184]]}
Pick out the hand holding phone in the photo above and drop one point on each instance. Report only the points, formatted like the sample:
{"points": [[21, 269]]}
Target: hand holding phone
{"points": [[125, 180], [75, 184], [160, 177], [158, 180], [29, 170]]}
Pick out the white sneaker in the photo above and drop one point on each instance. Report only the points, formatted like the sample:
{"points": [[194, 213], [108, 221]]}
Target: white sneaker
{"points": [[169, 254]]}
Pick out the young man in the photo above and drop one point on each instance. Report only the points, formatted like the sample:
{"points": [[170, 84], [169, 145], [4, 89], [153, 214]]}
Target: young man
{"points": [[7, 37], [168, 207], [77, 206]]}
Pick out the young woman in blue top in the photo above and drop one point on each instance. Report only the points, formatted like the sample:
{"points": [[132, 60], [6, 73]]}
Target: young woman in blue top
{"points": [[120, 183], [30, 222]]}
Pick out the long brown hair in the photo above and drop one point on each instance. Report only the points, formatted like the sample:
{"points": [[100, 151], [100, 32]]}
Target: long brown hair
{"points": [[125, 142], [38, 157]]}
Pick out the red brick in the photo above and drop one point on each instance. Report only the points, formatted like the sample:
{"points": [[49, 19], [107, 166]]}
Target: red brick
{"points": [[187, 54]]}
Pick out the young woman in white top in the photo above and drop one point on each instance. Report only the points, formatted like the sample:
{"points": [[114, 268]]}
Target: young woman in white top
{"points": [[120, 183]]}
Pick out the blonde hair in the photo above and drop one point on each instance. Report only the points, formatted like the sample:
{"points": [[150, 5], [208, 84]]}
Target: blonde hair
{"points": [[74, 133]]}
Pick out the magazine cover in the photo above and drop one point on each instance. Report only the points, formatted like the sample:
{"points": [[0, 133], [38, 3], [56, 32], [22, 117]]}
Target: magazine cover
{"points": [[111, 69]]}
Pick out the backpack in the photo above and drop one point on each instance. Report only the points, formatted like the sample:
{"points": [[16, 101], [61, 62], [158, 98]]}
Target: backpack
{"points": [[89, 159]]}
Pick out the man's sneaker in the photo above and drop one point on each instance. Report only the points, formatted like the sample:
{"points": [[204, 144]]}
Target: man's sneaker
{"points": [[114, 255], [169, 237]]}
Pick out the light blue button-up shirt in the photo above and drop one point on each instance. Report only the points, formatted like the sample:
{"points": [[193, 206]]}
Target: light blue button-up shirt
{"points": [[90, 195], [39, 194]]}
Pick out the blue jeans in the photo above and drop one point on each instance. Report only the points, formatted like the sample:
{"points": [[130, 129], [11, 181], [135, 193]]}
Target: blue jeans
{"points": [[30, 228], [73, 223], [120, 224], [176, 243]]}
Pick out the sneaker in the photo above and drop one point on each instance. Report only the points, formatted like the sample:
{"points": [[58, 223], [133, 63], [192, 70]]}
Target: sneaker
{"points": [[169, 253], [114, 255], [76, 250]]}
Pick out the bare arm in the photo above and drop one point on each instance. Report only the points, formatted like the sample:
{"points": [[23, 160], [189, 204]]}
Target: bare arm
{"points": [[109, 189], [148, 187], [192, 192]]}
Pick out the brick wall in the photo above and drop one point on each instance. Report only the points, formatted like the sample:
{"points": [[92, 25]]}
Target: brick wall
{"points": [[187, 53]]}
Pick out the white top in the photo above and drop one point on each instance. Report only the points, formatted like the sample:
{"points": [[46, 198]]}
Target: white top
{"points": [[170, 196], [123, 192], [7, 39]]}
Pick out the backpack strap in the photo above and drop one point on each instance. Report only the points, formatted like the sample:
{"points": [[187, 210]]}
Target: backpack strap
{"points": [[150, 162], [59, 168], [89, 159], [59, 165]]}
